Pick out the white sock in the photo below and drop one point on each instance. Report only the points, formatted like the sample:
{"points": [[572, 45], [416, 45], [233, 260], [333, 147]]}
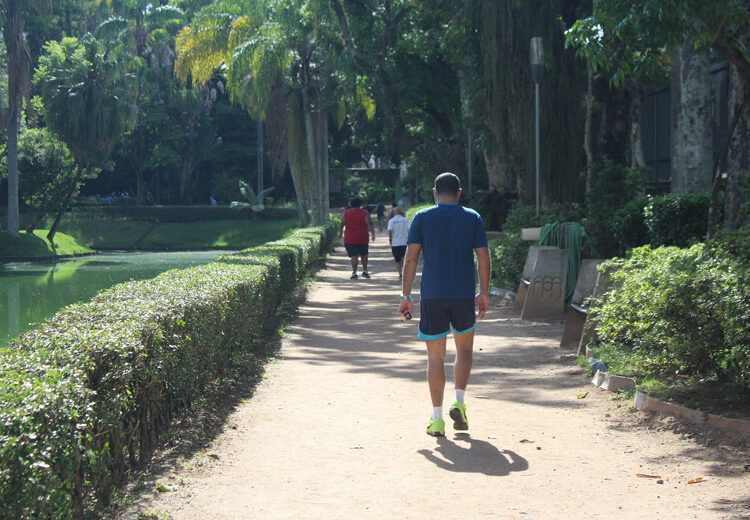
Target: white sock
{"points": [[437, 413], [460, 394]]}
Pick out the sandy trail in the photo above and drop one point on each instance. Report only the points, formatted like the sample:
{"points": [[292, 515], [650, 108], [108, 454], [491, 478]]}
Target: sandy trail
{"points": [[336, 430]]}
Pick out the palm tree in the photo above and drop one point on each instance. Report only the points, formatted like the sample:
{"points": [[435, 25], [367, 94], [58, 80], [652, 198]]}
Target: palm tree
{"points": [[88, 92], [266, 51], [134, 23], [19, 62]]}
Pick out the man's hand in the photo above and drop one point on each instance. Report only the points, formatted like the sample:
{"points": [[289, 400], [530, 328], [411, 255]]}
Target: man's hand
{"points": [[373, 237], [406, 305], [482, 301]]}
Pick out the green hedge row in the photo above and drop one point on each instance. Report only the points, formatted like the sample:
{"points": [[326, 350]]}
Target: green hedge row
{"points": [[84, 398], [677, 313], [181, 213]]}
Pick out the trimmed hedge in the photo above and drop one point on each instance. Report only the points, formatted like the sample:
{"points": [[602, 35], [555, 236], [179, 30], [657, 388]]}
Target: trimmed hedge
{"points": [[84, 398], [181, 213]]}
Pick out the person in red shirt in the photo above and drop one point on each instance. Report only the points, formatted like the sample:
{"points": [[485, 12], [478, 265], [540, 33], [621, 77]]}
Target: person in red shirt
{"points": [[355, 225]]}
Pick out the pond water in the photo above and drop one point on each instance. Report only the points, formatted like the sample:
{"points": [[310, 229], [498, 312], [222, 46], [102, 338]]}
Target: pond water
{"points": [[31, 292]]}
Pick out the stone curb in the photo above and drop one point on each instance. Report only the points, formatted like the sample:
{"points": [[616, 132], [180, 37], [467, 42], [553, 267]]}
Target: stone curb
{"points": [[737, 427]]}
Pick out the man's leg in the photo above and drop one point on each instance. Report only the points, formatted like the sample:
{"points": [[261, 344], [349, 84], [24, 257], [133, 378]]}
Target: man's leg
{"points": [[364, 262], [436, 370], [464, 358], [354, 264], [399, 269]]}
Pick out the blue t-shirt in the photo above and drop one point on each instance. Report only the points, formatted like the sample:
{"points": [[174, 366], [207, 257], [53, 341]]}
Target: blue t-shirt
{"points": [[448, 234]]}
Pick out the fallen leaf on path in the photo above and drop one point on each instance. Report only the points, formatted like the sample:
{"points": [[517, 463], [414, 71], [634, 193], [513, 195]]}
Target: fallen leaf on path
{"points": [[644, 475], [696, 480], [582, 395], [161, 488], [525, 440], [357, 448], [747, 467], [481, 397], [214, 456]]}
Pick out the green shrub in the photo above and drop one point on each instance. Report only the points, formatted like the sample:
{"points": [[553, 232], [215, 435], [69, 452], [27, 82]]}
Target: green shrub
{"points": [[629, 226], [678, 311], [677, 219], [612, 186], [84, 397], [181, 213]]}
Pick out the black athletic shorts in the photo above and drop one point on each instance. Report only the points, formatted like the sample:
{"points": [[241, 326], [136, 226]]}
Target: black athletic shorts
{"points": [[398, 253], [357, 249], [439, 316]]}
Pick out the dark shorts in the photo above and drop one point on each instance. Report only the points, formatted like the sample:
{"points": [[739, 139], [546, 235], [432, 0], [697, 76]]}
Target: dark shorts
{"points": [[357, 249], [439, 316], [398, 253]]}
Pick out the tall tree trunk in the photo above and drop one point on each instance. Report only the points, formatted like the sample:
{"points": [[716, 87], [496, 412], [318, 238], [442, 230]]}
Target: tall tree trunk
{"points": [[324, 166], [637, 97], [259, 141], [588, 137], [13, 217], [298, 157], [738, 155], [692, 136]]}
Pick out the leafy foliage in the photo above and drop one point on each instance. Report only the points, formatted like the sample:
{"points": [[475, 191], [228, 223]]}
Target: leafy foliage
{"points": [[84, 397], [683, 312]]}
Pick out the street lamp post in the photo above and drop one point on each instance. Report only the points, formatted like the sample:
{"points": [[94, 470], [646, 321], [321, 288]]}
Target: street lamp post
{"points": [[537, 70], [467, 124]]}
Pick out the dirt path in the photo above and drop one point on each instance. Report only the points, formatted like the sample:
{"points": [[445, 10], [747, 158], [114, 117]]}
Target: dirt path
{"points": [[336, 431]]}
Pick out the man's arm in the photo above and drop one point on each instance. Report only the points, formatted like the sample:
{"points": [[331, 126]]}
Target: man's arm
{"points": [[390, 237], [409, 272], [372, 228], [485, 272], [343, 223]]}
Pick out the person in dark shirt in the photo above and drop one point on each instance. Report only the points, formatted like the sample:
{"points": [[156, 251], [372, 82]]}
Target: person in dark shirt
{"points": [[380, 210], [448, 235]]}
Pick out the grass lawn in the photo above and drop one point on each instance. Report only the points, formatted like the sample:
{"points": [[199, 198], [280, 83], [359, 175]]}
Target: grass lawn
{"points": [[36, 245], [105, 234], [220, 234]]}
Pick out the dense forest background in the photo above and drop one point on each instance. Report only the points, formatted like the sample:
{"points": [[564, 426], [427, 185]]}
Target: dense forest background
{"points": [[196, 95]]}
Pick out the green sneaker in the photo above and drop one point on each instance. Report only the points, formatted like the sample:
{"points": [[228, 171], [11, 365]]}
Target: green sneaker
{"points": [[458, 414], [436, 428]]}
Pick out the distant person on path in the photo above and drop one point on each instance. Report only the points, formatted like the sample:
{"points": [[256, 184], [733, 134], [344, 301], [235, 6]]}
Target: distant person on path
{"points": [[448, 235], [381, 215], [398, 233], [354, 231]]}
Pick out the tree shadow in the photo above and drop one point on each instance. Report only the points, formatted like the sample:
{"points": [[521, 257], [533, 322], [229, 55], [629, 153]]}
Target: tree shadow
{"points": [[470, 455]]}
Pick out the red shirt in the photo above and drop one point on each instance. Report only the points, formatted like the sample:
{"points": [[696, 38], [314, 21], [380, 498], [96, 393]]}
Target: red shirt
{"points": [[355, 226]]}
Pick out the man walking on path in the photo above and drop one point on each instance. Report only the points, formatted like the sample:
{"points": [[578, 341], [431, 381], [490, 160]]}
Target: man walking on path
{"points": [[398, 232], [354, 231], [380, 211], [448, 234]]}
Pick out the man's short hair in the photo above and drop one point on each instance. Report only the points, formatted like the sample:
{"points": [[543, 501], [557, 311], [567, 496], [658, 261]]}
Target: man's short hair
{"points": [[356, 202], [447, 183]]}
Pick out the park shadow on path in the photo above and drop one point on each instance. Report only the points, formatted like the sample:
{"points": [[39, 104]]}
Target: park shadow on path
{"points": [[360, 329]]}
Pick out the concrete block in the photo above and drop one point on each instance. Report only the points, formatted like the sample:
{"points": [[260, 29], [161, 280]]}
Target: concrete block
{"points": [[598, 378], [533, 233], [615, 383], [546, 292], [528, 270]]}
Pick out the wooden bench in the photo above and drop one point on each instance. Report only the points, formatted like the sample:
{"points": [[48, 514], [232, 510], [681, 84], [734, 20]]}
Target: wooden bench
{"points": [[574, 322]]}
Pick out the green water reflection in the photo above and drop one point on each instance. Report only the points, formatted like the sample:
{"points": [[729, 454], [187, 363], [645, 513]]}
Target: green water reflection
{"points": [[31, 292]]}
